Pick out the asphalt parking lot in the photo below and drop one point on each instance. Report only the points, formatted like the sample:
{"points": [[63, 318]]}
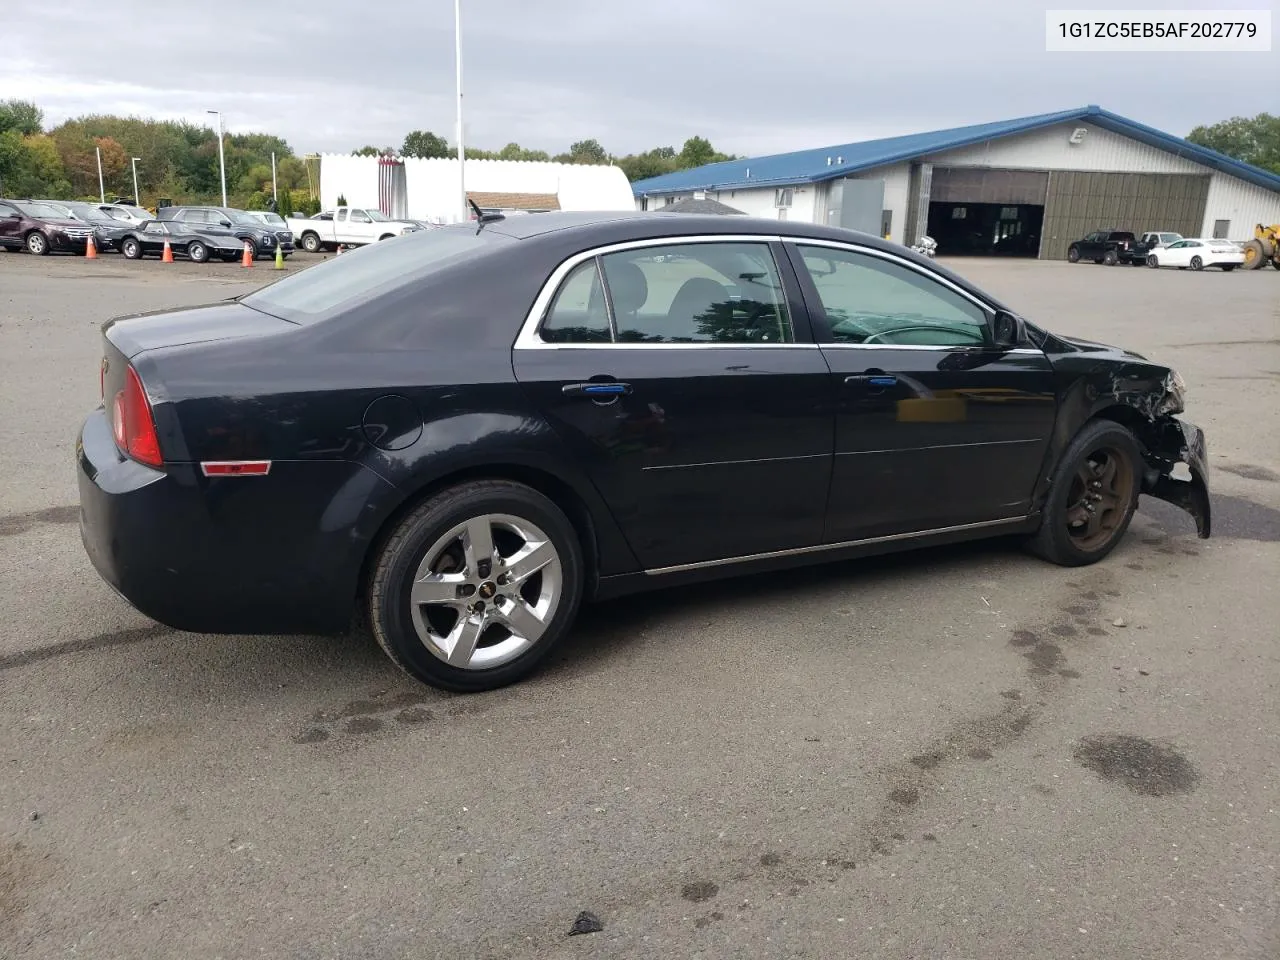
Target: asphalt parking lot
{"points": [[959, 753]]}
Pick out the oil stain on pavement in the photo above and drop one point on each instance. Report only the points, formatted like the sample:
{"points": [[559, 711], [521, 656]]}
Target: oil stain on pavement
{"points": [[1137, 764]]}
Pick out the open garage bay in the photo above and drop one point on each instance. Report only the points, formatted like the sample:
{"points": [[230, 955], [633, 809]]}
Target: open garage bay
{"points": [[963, 752]]}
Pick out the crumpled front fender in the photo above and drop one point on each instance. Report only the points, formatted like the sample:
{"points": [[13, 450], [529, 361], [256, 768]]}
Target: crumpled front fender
{"points": [[1173, 441]]}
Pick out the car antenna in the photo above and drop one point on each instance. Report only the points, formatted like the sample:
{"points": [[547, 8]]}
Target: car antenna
{"points": [[481, 217]]}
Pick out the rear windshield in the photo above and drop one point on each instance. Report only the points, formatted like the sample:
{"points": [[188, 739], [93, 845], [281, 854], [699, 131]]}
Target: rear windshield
{"points": [[328, 288], [1122, 236]]}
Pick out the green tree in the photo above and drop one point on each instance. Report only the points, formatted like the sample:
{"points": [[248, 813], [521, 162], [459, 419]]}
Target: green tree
{"points": [[21, 115], [371, 151], [585, 151], [1254, 140], [424, 144]]}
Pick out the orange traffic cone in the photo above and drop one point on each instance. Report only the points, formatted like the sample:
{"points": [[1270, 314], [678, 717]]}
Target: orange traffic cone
{"points": [[168, 252], [90, 249], [247, 259]]}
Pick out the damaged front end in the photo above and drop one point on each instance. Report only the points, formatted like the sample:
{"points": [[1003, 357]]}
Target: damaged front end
{"points": [[1169, 442]]}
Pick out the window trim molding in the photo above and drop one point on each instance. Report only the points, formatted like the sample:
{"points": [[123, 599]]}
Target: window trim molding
{"points": [[529, 338]]}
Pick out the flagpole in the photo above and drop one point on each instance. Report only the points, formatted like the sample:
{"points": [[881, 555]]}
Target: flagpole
{"points": [[457, 54]]}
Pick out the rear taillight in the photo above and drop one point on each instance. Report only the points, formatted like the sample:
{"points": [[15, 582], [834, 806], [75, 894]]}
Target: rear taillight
{"points": [[134, 426]]}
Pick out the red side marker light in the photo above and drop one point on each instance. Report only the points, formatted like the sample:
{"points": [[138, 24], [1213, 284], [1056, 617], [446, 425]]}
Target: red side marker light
{"points": [[235, 468]]}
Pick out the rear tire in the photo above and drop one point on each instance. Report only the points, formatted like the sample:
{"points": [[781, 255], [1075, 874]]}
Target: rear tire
{"points": [[1197, 263], [197, 252], [311, 243], [1110, 258], [1153, 261], [1255, 255], [1228, 267], [131, 249], [1076, 529], [470, 602]]}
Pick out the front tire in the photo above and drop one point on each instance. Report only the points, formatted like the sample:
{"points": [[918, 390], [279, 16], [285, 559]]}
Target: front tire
{"points": [[1073, 254], [131, 249], [1153, 261], [476, 585], [37, 243], [1092, 496], [1197, 263]]}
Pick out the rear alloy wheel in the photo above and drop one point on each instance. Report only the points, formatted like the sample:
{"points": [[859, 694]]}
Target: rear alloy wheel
{"points": [[37, 243], [475, 586], [1092, 497], [197, 252], [1197, 263], [1110, 258], [1152, 261], [131, 249]]}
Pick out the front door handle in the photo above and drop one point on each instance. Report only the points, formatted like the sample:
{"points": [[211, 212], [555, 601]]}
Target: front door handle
{"points": [[598, 389]]}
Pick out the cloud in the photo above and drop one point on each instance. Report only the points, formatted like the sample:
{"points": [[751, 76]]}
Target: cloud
{"points": [[754, 76]]}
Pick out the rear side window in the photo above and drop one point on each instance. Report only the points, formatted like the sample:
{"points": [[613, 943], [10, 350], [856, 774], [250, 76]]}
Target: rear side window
{"points": [[328, 288], [707, 293], [579, 313]]}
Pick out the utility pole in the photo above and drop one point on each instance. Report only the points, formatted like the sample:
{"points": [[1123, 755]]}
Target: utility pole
{"points": [[102, 190], [136, 199], [457, 54], [275, 193]]}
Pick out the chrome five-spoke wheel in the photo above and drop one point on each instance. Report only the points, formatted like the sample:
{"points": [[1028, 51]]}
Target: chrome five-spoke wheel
{"points": [[486, 591], [471, 588]]}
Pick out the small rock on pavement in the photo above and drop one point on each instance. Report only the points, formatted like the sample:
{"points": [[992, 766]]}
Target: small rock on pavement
{"points": [[1119, 622], [35, 815], [587, 922]]}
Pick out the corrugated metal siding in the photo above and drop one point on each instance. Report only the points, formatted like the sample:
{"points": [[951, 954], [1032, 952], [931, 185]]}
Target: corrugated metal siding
{"points": [[1048, 149], [1080, 202], [1243, 204]]}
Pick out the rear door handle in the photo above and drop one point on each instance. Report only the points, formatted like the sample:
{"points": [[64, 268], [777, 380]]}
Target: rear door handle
{"points": [[596, 389]]}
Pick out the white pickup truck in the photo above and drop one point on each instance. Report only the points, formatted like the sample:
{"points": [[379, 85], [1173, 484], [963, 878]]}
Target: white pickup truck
{"points": [[345, 226]]}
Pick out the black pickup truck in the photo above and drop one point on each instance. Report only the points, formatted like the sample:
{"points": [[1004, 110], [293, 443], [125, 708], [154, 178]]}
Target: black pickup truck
{"points": [[1109, 247]]}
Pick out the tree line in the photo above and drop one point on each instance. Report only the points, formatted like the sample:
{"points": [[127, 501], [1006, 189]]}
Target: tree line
{"points": [[178, 160]]}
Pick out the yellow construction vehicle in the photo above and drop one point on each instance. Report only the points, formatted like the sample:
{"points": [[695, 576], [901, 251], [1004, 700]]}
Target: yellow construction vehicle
{"points": [[1264, 248]]}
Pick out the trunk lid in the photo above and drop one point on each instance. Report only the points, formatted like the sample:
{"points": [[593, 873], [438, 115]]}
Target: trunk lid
{"points": [[229, 320]]}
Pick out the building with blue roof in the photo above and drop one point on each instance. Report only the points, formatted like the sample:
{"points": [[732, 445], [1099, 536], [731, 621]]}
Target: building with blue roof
{"points": [[1024, 187]]}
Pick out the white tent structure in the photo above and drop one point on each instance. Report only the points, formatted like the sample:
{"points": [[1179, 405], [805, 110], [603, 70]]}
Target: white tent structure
{"points": [[431, 186]]}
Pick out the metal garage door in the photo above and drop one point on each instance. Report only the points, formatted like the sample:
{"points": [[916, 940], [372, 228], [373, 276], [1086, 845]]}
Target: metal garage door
{"points": [[981, 185], [1080, 202]]}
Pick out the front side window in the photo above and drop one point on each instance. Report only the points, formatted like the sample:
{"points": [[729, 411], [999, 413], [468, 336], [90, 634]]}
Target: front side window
{"points": [[359, 216], [678, 293], [870, 300]]}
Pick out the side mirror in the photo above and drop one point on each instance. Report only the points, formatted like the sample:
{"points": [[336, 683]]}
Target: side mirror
{"points": [[1008, 330]]}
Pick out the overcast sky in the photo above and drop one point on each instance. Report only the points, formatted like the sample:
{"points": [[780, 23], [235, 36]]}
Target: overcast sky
{"points": [[754, 76]]}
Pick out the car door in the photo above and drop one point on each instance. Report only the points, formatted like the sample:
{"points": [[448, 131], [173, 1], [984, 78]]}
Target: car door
{"points": [[682, 375], [151, 235], [361, 226], [10, 226], [935, 427], [1176, 254]]}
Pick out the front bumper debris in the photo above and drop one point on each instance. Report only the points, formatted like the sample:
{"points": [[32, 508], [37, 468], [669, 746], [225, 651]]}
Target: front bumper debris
{"points": [[1175, 441]]}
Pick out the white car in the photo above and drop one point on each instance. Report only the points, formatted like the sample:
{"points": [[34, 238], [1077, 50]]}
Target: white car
{"points": [[1196, 254], [127, 213]]}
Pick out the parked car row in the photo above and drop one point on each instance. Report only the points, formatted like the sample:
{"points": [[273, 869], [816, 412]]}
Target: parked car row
{"points": [[197, 233], [1157, 248]]}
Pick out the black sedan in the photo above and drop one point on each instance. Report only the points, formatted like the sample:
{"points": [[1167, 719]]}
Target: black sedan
{"points": [[464, 433], [197, 245]]}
